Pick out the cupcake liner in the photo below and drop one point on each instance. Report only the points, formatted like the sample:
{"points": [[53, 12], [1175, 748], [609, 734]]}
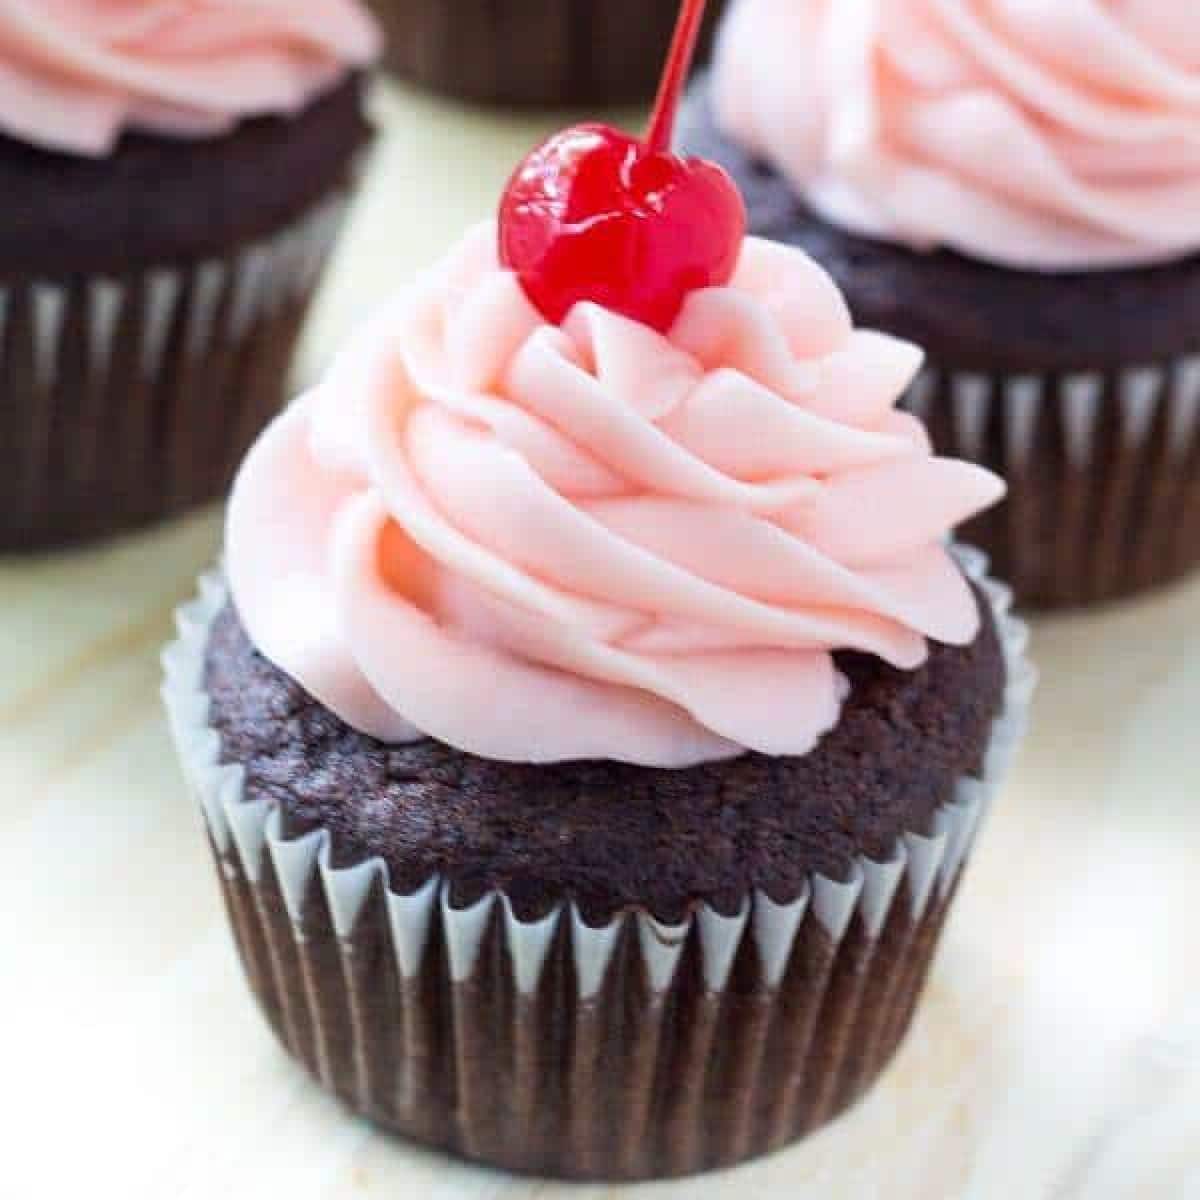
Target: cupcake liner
{"points": [[129, 398], [1103, 469], [632, 1050], [581, 52]]}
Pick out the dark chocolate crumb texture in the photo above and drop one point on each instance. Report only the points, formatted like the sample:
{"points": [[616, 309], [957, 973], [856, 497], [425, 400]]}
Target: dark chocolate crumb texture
{"points": [[607, 834], [158, 200]]}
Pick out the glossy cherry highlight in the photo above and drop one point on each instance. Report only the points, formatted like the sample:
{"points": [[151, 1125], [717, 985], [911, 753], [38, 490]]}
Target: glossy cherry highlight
{"points": [[595, 214]]}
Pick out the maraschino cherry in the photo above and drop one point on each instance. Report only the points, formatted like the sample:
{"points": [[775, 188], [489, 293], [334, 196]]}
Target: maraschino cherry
{"points": [[595, 214]]}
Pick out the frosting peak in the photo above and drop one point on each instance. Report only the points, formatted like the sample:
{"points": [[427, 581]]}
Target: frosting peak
{"points": [[538, 542], [1043, 134], [75, 73]]}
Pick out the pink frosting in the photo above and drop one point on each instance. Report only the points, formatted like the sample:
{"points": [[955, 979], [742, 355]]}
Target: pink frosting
{"points": [[1040, 134], [539, 543], [75, 73]]}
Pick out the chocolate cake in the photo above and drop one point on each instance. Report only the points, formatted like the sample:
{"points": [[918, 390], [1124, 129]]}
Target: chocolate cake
{"points": [[158, 200], [570, 1030], [610, 835]]}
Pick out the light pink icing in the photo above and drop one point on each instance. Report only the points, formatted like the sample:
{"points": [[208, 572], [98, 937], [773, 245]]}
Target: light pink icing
{"points": [[75, 73], [538, 543], [1041, 134]]}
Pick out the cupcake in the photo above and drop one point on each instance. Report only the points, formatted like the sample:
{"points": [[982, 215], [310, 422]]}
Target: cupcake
{"points": [[531, 52], [1013, 186], [173, 177], [591, 723]]}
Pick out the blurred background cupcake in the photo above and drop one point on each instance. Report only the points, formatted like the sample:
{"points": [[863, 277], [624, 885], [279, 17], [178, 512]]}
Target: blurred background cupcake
{"points": [[528, 52], [1016, 187], [173, 177]]}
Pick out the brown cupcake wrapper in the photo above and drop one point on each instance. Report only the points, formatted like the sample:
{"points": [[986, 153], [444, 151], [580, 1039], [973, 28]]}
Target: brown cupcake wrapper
{"points": [[124, 399], [633, 1050], [1103, 470], [522, 52]]}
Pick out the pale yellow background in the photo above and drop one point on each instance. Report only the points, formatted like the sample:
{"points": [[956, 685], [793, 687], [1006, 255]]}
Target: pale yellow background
{"points": [[1057, 1056]]}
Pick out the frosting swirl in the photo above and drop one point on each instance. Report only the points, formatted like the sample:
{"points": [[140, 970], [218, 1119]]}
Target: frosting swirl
{"points": [[538, 542], [1039, 134], [75, 73]]}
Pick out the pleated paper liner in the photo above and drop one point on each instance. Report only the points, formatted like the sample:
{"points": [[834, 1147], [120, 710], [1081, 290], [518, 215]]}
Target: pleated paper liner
{"points": [[527, 52], [1103, 470], [127, 399], [629, 1051]]}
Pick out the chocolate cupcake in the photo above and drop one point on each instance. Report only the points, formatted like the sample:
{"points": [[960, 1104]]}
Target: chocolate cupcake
{"points": [[591, 726], [531, 52], [173, 180], [1029, 219]]}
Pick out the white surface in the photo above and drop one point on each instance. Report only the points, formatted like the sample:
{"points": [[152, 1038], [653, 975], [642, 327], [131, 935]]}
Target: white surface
{"points": [[1057, 1055]]}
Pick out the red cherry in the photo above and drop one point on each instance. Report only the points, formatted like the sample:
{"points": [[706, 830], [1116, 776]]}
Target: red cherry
{"points": [[595, 214], [591, 216]]}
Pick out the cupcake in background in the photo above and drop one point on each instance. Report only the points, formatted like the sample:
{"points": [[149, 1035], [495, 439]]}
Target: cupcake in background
{"points": [[593, 725], [1016, 187], [172, 179], [532, 52]]}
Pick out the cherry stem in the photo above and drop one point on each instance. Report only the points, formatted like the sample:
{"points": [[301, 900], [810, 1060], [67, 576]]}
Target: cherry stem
{"points": [[679, 64]]}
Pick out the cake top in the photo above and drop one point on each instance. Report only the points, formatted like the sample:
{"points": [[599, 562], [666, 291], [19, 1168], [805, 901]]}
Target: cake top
{"points": [[1034, 134], [75, 74], [552, 505]]}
